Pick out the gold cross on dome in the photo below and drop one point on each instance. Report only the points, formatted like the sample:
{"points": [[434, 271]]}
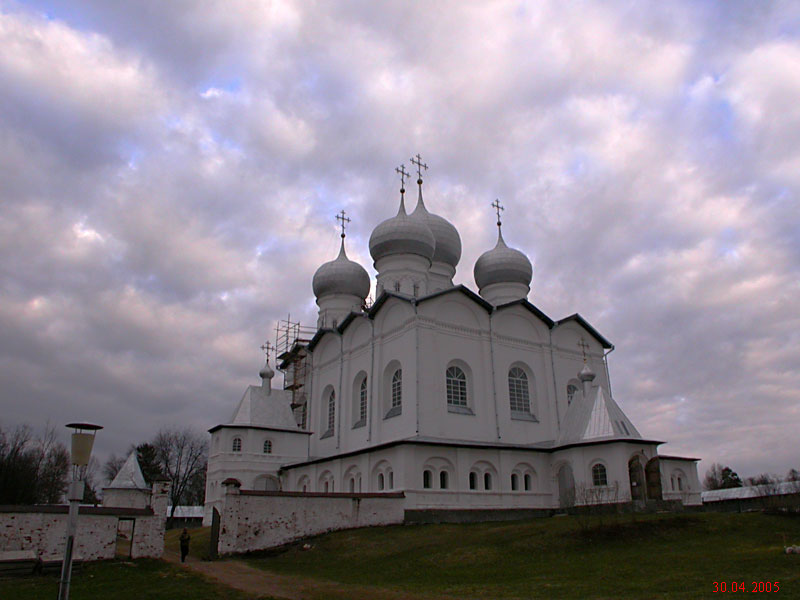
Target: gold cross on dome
{"points": [[497, 208], [403, 175], [583, 346], [343, 219], [266, 347], [419, 164]]}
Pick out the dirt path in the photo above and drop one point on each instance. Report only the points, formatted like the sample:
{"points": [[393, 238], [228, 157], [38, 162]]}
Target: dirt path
{"points": [[241, 576]]}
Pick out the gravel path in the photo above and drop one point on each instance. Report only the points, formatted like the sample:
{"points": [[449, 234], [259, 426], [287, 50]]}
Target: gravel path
{"points": [[241, 576]]}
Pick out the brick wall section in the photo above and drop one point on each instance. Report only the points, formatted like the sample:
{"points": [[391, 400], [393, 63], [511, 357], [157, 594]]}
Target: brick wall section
{"points": [[260, 520], [42, 529]]}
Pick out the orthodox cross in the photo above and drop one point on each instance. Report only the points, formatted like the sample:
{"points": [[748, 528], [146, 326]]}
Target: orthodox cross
{"points": [[498, 207], [267, 347], [583, 346], [403, 174], [420, 165], [342, 219]]}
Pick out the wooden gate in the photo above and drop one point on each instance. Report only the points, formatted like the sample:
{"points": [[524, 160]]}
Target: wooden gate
{"points": [[213, 542]]}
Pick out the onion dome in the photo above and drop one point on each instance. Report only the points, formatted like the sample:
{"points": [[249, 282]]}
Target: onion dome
{"points": [[266, 371], [447, 247], [502, 264], [586, 373], [402, 234], [341, 276]]}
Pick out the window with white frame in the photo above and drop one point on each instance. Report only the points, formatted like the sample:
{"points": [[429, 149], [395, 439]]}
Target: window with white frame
{"points": [[456, 382], [397, 388], [267, 446], [362, 400], [237, 444], [331, 414], [599, 477], [518, 391]]}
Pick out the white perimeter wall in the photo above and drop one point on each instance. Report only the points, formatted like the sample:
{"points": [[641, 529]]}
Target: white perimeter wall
{"points": [[259, 520]]}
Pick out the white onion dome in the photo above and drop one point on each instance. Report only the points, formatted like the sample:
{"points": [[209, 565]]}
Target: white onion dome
{"points": [[447, 248], [502, 264], [402, 234], [266, 371], [341, 276], [586, 373]]}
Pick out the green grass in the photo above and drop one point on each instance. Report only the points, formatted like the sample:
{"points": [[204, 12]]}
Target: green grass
{"points": [[140, 580], [653, 556], [198, 545]]}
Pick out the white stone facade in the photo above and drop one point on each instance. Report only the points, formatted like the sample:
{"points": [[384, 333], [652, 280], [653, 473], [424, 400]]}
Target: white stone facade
{"points": [[459, 401]]}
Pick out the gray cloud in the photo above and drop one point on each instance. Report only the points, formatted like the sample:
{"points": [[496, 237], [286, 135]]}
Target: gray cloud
{"points": [[170, 172]]}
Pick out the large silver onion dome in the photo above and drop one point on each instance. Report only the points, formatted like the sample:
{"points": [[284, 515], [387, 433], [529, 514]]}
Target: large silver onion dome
{"points": [[402, 234], [341, 276], [502, 264], [447, 241]]}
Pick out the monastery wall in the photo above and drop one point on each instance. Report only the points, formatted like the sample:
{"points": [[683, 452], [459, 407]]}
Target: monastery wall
{"points": [[28, 531], [259, 520]]}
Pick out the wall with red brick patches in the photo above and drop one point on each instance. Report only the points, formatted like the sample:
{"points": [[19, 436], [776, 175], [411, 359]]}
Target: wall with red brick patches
{"points": [[259, 520], [28, 531]]}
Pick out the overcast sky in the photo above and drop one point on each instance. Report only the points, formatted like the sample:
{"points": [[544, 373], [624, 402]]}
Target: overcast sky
{"points": [[169, 174]]}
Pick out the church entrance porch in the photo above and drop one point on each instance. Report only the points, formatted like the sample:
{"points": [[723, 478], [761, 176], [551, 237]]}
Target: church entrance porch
{"points": [[652, 472], [566, 487], [637, 481]]}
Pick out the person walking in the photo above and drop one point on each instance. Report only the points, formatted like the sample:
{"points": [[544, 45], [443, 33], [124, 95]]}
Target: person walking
{"points": [[184, 539]]}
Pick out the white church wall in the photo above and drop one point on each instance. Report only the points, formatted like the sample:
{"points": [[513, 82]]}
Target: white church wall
{"points": [[534, 361], [256, 521], [442, 345], [691, 491], [251, 462]]}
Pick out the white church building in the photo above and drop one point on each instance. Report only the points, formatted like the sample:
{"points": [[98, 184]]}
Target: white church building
{"points": [[459, 400]]}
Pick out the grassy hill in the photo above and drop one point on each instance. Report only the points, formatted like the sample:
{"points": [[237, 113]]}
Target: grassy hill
{"points": [[654, 556]]}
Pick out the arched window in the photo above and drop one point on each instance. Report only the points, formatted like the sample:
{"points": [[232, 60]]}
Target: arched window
{"points": [[397, 388], [352, 484], [473, 480], [331, 410], [572, 390], [487, 481], [518, 392], [599, 477], [380, 481], [514, 482], [237, 444], [267, 446], [362, 401], [527, 482], [396, 286], [456, 387], [443, 480], [327, 485], [391, 480], [426, 479]]}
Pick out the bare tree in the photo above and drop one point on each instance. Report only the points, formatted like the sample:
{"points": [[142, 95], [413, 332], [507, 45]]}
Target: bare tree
{"points": [[182, 455], [112, 467], [33, 470]]}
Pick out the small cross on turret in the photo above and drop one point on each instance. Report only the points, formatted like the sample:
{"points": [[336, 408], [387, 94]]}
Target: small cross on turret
{"points": [[342, 219], [401, 170], [266, 347], [420, 166], [498, 207], [583, 346]]}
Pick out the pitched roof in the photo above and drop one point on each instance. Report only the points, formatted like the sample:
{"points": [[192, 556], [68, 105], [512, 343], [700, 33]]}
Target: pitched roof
{"points": [[463, 290], [524, 303], [129, 477], [258, 409], [585, 324], [596, 418]]}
